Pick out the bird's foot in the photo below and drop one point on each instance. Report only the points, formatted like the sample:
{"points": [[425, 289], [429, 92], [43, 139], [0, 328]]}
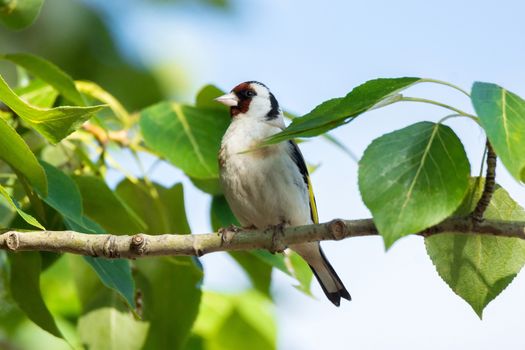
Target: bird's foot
{"points": [[277, 231], [227, 233]]}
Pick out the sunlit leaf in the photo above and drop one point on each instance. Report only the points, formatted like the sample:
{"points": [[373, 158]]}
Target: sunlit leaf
{"points": [[38, 93], [236, 321], [12, 202], [25, 290], [413, 178], [502, 115], [188, 137], [55, 123], [7, 212], [15, 152], [302, 273], [58, 287], [49, 73], [479, 267], [18, 14], [338, 111]]}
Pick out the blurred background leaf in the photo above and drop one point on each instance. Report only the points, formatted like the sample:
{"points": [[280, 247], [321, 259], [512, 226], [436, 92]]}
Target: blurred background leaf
{"points": [[235, 321], [83, 47], [18, 14]]}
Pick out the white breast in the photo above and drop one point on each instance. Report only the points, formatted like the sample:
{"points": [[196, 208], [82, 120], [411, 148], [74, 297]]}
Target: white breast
{"points": [[263, 187]]}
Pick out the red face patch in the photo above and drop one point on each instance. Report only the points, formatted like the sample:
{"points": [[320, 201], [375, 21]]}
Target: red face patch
{"points": [[244, 93]]}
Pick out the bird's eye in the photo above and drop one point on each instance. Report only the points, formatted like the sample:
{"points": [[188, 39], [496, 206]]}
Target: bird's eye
{"points": [[249, 93]]}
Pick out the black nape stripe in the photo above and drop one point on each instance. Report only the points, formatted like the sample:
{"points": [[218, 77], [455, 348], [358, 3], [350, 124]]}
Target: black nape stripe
{"points": [[274, 111], [255, 82]]}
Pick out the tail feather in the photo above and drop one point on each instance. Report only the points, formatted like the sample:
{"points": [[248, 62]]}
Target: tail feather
{"points": [[324, 272], [330, 282]]}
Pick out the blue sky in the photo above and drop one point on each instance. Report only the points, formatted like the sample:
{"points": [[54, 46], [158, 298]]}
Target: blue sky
{"points": [[307, 52]]}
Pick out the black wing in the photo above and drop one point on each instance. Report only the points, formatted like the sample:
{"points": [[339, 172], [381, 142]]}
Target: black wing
{"points": [[299, 161]]}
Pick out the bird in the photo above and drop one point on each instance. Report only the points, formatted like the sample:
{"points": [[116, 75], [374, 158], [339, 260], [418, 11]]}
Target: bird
{"points": [[270, 186]]}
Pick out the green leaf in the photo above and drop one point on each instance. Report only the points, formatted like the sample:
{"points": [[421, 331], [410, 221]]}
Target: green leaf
{"points": [[205, 98], [211, 186], [106, 208], [37, 93], [110, 329], [188, 137], [479, 267], [221, 214], [162, 208], [12, 202], [15, 152], [338, 111], [413, 178], [25, 290], [49, 73], [55, 123], [171, 296], [18, 14], [502, 115], [64, 197], [302, 272]]}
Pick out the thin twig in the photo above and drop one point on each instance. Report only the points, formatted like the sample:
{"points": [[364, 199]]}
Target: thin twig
{"points": [[142, 245], [490, 185]]}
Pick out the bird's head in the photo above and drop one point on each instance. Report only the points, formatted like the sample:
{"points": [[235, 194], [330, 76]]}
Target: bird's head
{"points": [[252, 99]]}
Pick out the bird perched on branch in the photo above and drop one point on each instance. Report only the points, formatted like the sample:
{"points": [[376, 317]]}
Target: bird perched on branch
{"points": [[270, 186]]}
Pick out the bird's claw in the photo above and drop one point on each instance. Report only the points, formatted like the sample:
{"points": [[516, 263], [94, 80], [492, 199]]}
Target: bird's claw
{"points": [[227, 233], [277, 234]]}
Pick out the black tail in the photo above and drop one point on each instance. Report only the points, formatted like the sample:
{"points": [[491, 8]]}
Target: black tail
{"points": [[330, 282]]}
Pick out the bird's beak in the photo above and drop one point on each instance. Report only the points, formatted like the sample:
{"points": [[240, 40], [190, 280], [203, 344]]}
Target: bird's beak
{"points": [[230, 100]]}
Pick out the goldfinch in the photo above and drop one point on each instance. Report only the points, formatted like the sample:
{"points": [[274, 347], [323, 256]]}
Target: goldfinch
{"points": [[270, 186]]}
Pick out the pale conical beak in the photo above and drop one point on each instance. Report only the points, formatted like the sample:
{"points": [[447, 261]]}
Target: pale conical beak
{"points": [[230, 100]]}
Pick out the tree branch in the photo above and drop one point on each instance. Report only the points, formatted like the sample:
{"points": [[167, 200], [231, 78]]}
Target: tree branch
{"points": [[142, 245], [490, 185]]}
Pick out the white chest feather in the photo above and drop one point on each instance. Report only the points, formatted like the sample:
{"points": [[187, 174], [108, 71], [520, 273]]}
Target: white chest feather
{"points": [[263, 187]]}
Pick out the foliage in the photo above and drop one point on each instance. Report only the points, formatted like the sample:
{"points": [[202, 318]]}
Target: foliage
{"points": [[58, 141]]}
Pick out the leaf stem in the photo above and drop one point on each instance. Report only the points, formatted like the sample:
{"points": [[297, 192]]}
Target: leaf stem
{"points": [[456, 115], [424, 100], [441, 82]]}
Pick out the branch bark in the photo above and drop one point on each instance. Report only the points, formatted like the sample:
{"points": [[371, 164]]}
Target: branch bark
{"points": [[142, 245]]}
